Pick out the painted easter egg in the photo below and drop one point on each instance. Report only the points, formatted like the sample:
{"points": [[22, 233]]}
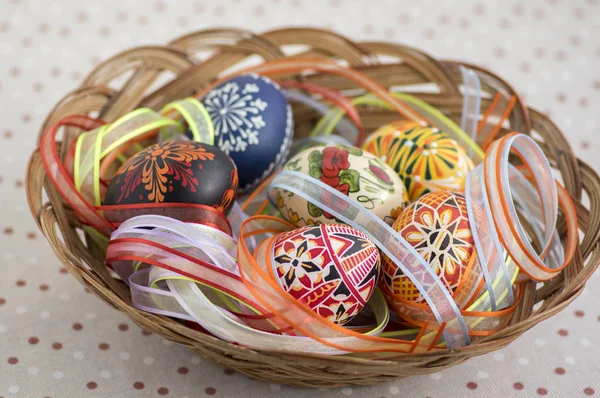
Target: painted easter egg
{"points": [[253, 124], [426, 158], [351, 171], [176, 172], [437, 226], [333, 268]]}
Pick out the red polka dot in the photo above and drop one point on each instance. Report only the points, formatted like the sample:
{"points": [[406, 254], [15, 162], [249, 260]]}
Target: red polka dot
{"points": [[578, 13], [561, 97], [560, 371], [19, 183], [65, 31], [160, 6], [26, 118], [37, 87], [539, 14], [259, 11], [77, 326], [518, 386], [541, 391], [183, 370], [585, 145], [138, 385], [499, 52], [579, 313], [539, 52], [4, 26], [8, 134], [229, 372], [504, 23], [478, 9], [444, 19], [14, 71], [182, 20], [63, 270], [92, 385], [163, 391], [103, 346], [55, 72], [525, 67], [43, 287], [21, 283], [210, 391], [8, 231], [2, 301], [219, 11], [597, 85], [13, 360], [33, 340], [404, 18], [27, 42], [105, 31], [575, 41], [142, 20], [146, 333], [563, 332], [429, 33], [589, 391], [57, 346], [561, 55], [82, 17], [43, 28], [583, 102], [471, 385], [123, 327]]}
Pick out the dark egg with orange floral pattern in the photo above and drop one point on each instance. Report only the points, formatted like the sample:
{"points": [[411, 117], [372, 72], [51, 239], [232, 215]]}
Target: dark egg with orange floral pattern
{"points": [[176, 172]]}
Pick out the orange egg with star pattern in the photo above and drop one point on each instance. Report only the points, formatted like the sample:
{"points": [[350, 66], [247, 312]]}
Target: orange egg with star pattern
{"points": [[437, 226]]}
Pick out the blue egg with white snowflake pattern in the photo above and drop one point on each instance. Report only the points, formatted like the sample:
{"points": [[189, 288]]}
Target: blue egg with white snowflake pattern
{"points": [[253, 125]]}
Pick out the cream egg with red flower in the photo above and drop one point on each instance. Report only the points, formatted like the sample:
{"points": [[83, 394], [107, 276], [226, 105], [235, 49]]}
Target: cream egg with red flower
{"points": [[352, 171]]}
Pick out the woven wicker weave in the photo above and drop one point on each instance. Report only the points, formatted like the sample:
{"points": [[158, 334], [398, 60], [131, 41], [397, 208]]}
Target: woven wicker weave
{"points": [[155, 75]]}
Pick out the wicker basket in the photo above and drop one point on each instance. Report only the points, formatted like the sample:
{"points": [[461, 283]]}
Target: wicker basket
{"points": [[155, 75]]}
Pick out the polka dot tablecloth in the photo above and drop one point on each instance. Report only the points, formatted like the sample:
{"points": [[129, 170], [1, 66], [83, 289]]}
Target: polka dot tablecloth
{"points": [[57, 340]]}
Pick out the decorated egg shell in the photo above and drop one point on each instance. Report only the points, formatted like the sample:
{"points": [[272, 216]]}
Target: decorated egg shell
{"points": [[437, 226], [332, 268], [426, 158], [176, 172], [353, 172], [253, 124]]}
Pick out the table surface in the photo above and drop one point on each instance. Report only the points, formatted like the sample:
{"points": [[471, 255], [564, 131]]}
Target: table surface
{"points": [[56, 340]]}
